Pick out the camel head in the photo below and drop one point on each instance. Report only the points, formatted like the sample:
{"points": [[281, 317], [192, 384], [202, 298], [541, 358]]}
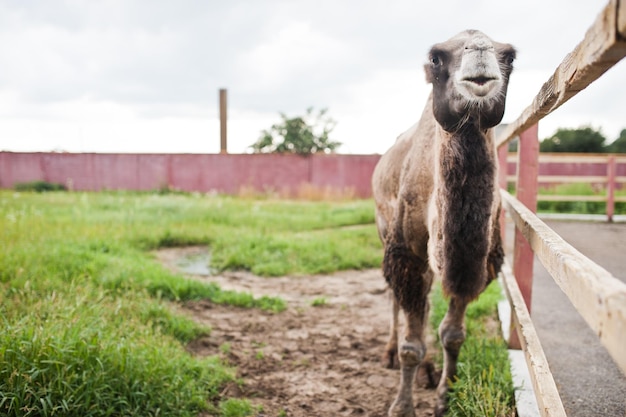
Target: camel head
{"points": [[470, 75]]}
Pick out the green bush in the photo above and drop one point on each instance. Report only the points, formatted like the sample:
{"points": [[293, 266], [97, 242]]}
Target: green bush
{"points": [[39, 186]]}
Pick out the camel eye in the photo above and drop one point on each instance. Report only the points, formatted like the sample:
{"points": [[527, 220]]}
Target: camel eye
{"points": [[435, 60], [509, 58]]}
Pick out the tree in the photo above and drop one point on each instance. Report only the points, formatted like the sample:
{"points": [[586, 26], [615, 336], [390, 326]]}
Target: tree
{"points": [[619, 145], [586, 139], [303, 135]]}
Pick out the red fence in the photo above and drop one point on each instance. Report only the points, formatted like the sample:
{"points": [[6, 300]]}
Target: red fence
{"points": [[559, 168], [224, 173], [605, 173], [230, 173]]}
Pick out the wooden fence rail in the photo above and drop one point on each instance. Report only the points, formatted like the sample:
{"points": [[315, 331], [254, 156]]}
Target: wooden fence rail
{"points": [[549, 175], [595, 293]]}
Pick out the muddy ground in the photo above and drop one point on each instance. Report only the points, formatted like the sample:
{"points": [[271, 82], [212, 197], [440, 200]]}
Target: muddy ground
{"points": [[322, 360]]}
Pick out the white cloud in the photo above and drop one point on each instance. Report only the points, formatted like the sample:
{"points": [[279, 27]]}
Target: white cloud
{"points": [[375, 111], [144, 75], [294, 54]]}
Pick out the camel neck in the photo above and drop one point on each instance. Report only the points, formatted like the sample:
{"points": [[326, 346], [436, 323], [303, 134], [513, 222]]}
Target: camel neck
{"points": [[465, 155], [464, 201]]}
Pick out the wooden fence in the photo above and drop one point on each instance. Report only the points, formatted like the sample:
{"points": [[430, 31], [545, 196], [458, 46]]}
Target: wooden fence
{"points": [[599, 297], [606, 173]]}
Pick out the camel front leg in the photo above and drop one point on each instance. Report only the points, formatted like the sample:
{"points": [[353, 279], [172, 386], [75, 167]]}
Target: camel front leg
{"points": [[452, 336], [412, 352]]}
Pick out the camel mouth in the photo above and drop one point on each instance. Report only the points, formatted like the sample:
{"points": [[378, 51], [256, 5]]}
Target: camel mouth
{"points": [[479, 80], [478, 86]]}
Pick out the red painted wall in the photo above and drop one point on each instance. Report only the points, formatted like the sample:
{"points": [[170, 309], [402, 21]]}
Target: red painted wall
{"points": [[224, 173]]}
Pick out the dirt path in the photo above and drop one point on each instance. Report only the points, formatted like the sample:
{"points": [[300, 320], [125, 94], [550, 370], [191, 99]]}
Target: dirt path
{"points": [[308, 360]]}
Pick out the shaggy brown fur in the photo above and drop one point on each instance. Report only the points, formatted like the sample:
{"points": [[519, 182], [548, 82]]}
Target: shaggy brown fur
{"points": [[437, 202]]}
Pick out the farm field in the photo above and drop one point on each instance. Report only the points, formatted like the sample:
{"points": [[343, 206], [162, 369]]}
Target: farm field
{"points": [[196, 305]]}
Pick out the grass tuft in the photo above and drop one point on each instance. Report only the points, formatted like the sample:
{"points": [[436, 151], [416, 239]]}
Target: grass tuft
{"points": [[86, 355], [234, 407], [319, 302]]}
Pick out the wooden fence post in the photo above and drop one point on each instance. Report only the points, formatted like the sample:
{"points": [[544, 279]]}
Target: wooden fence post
{"points": [[610, 187], [223, 121], [527, 185], [502, 173]]}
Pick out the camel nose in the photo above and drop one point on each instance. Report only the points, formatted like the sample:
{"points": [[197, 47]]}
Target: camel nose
{"points": [[479, 43]]}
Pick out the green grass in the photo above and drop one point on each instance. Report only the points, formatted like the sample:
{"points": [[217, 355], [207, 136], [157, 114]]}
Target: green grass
{"points": [[319, 302], [233, 407], [85, 353], [299, 238], [578, 207], [87, 326], [484, 385]]}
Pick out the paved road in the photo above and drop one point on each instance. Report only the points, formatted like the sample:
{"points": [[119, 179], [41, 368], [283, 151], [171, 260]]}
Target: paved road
{"points": [[589, 382]]}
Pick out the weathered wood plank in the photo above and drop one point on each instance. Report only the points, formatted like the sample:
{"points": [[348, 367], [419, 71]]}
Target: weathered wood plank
{"points": [[580, 158], [601, 48], [561, 179], [573, 158], [550, 197], [547, 395], [572, 178], [598, 296]]}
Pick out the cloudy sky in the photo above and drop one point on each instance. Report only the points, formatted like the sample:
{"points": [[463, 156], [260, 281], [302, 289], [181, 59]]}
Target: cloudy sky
{"points": [[144, 75]]}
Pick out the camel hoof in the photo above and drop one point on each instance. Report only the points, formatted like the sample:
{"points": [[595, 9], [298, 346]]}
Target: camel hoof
{"points": [[442, 400], [401, 409]]}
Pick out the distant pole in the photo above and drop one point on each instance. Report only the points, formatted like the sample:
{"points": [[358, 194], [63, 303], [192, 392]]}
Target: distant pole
{"points": [[223, 121], [610, 188]]}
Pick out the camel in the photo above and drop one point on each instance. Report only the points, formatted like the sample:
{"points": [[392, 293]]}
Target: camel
{"points": [[438, 204]]}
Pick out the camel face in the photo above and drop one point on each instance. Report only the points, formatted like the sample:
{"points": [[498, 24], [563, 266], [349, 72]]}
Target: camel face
{"points": [[470, 76], [478, 77]]}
